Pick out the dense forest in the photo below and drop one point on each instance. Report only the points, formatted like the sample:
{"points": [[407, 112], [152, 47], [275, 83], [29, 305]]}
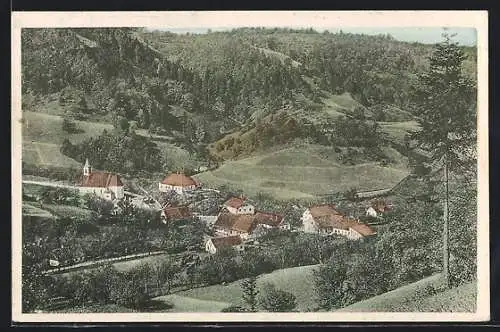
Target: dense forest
{"points": [[199, 88]]}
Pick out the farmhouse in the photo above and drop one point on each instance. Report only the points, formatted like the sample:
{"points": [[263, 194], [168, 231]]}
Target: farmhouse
{"points": [[228, 224], [216, 243], [106, 185], [178, 182], [238, 205], [326, 220], [270, 220], [174, 213], [377, 208]]}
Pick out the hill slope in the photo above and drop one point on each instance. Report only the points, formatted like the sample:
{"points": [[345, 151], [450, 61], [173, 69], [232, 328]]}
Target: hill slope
{"points": [[418, 297]]}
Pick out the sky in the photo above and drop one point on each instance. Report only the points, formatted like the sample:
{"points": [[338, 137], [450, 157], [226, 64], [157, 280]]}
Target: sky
{"points": [[426, 35]]}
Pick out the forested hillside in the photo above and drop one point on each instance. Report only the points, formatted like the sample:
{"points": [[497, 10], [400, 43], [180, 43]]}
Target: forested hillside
{"points": [[262, 87]]}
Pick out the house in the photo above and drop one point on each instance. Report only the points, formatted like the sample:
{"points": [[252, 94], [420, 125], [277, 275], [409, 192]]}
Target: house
{"points": [[228, 224], [173, 213], [178, 182], [238, 205], [326, 220], [270, 220], [316, 218], [105, 185], [377, 208], [216, 243]]}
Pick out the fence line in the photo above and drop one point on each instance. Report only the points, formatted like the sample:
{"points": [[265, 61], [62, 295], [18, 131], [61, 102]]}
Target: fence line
{"points": [[102, 261]]}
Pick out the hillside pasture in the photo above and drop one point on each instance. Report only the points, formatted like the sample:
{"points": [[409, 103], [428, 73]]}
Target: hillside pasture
{"points": [[68, 211], [297, 280], [33, 211], [189, 304], [424, 295], [46, 154], [296, 174], [342, 102], [398, 130], [47, 128]]}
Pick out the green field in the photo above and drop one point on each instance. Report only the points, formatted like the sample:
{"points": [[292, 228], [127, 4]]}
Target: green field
{"points": [[67, 211], [46, 154], [189, 304], [342, 102], [43, 135], [297, 280], [33, 211], [416, 297], [47, 128], [398, 130], [300, 173]]}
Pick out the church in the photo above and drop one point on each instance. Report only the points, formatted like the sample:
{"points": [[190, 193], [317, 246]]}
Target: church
{"points": [[105, 185]]}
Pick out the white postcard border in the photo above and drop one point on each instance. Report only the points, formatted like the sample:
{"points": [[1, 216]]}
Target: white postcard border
{"points": [[208, 19]]}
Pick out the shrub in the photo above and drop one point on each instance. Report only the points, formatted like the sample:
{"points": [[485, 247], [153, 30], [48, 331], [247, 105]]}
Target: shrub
{"points": [[234, 308]]}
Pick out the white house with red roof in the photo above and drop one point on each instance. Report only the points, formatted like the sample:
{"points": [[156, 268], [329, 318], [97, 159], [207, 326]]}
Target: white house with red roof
{"points": [[178, 182], [238, 205], [214, 244], [327, 220], [103, 184]]}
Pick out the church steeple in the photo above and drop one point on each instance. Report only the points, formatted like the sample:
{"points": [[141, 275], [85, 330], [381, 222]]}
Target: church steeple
{"points": [[87, 169]]}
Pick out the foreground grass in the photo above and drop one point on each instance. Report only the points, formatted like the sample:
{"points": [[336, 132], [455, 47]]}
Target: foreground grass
{"points": [[417, 297], [297, 280]]}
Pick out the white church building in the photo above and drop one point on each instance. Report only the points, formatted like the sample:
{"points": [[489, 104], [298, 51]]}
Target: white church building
{"points": [[103, 184]]}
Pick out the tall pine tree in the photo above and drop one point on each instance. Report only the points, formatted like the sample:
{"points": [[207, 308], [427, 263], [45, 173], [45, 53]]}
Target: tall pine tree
{"points": [[446, 107]]}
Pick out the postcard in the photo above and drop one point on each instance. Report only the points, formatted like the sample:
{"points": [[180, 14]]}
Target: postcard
{"points": [[250, 166]]}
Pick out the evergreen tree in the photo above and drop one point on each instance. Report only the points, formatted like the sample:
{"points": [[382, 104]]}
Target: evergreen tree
{"points": [[250, 292], [445, 101]]}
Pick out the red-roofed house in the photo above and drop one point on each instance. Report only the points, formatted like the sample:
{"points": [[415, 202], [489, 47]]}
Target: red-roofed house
{"points": [[173, 213], [103, 184], [326, 220], [216, 243], [238, 205], [270, 220], [178, 182], [228, 224]]}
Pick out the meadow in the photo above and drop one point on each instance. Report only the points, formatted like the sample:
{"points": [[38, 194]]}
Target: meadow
{"points": [[417, 297], [297, 280], [298, 173], [43, 136]]}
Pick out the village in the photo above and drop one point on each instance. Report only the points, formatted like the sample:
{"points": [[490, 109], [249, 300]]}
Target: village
{"points": [[237, 222]]}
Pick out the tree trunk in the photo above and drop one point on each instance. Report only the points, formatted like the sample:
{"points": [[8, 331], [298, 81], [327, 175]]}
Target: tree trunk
{"points": [[446, 238]]}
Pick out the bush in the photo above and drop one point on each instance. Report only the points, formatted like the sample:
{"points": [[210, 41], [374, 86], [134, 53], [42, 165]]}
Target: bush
{"points": [[69, 126], [277, 300], [234, 308]]}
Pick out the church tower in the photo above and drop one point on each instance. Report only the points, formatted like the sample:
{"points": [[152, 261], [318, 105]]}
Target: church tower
{"points": [[87, 169]]}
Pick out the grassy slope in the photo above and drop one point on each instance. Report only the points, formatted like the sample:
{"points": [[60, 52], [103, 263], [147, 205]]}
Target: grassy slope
{"points": [[297, 280], [300, 173], [33, 211], [67, 211], [415, 297], [398, 130], [43, 135]]}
